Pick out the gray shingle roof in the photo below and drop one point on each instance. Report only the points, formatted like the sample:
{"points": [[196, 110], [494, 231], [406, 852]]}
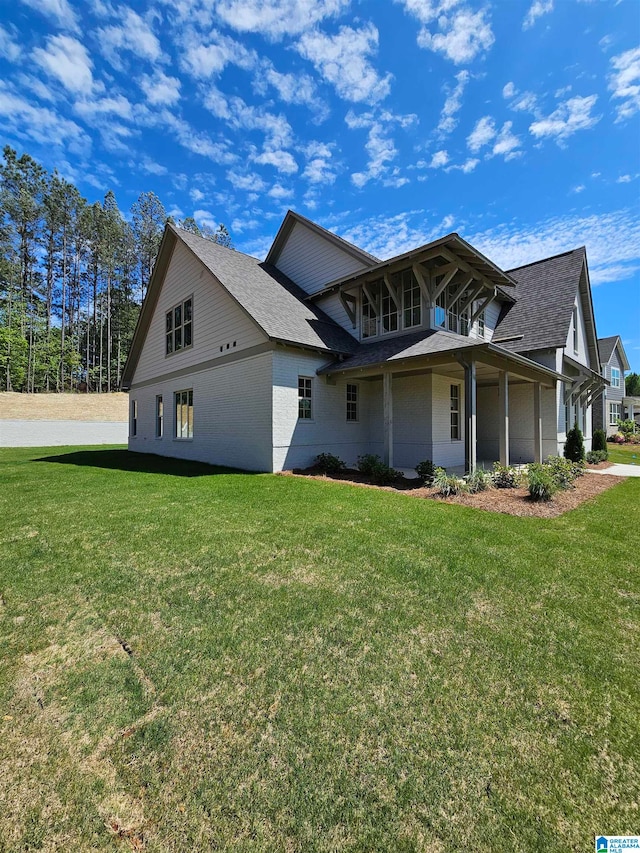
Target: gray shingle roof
{"points": [[545, 294], [271, 299], [405, 346], [606, 347]]}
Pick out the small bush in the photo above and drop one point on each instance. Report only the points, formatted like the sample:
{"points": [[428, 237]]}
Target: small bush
{"points": [[504, 476], [616, 438], [595, 456], [627, 428], [540, 482], [447, 484], [599, 440], [426, 471], [329, 464], [478, 481], [574, 445], [563, 471], [377, 470]]}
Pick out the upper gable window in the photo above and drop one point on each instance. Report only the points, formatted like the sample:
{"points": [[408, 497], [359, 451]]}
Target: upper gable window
{"points": [[575, 328], [615, 377], [411, 303], [179, 327], [369, 318]]}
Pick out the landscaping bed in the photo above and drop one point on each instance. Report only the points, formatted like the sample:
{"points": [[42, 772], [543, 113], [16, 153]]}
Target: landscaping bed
{"points": [[510, 501]]}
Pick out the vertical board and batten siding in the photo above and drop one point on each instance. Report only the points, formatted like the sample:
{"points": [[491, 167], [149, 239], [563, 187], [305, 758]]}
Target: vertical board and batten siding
{"points": [[231, 415], [217, 320], [297, 442], [312, 261]]}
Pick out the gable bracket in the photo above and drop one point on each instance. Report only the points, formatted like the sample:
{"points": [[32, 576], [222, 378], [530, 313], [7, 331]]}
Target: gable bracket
{"points": [[470, 297], [349, 303], [394, 292], [423, 277], [438, 289], [484, 304], [459, 292], [373, 300]]}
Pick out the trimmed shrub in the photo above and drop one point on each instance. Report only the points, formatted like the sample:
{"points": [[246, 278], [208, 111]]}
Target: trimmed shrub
{"points": [[599, 440], [329, 464], [448, 484], [540, 482], [377, 470], [595, 456], [478, 481], [368, 462], [574, 445], [563, 471], [426, 471], [627, 428], [505, 476]]}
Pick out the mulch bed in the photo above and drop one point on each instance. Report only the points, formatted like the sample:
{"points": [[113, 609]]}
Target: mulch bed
{"points": [[509, 501]]}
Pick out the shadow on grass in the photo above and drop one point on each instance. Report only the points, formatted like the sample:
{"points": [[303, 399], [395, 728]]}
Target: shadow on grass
{"points": [[146, 463]]}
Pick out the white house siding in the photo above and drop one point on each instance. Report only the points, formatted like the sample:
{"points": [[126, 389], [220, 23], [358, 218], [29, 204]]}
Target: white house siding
{"points": [[333, 307], [521, 439], [297, 442], [412, 413], [218, 321], [491, 314], [231, 415], [444, 451], [611, 394], [581, 354], [312, 261]]}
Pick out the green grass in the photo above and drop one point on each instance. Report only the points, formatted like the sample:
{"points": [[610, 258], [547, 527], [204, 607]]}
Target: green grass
{"points": [[628, 454], [195, 659]]}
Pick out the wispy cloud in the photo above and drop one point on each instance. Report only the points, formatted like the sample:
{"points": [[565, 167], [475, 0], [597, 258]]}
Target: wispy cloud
{"points": [[207, 56], [380, 147], [276, 18], [448, 116], [40, 124], [570, 117], [67, 60], [132, 34], [624, 82], [344, 61], [160, 88], [9, 47], [58, 11], [537, 10], [462, 34]]}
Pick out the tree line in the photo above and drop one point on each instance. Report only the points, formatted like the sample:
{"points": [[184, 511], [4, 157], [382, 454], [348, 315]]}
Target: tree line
{"points": [[73, 275]]}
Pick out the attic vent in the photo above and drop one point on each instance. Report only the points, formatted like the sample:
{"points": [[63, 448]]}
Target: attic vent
{"points": [[227, 346]]}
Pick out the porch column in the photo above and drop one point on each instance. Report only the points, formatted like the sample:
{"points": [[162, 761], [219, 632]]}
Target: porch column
{"points": [[503, 395], [387, 404], [537, 422], [470, 431]]}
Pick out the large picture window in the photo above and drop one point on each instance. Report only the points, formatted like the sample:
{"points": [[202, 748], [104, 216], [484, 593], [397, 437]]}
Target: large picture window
{"points": [[304, 398], [179, 327], [184, 413], [455, 412]]}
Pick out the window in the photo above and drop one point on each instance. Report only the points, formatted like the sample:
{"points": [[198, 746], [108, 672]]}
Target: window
{"points": [[159, 416], [184, 414], [615, 377], [369, 318], [575, 328], [455, 412], [179, 327], [352, 402], [481, 325], [389, 312], [615, 413], [464, 322], [411, 304], [134, 418], [441, 314], [304, 398]]}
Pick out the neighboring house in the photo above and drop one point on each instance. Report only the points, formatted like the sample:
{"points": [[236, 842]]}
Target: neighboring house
{"points": [[434, 354], [614, 404]]}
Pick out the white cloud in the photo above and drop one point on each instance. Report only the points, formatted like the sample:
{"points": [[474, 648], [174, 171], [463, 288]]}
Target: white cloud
{"points": [[439, 159], [152, 168], [624, 179], [205, 217], [26, 121], [292, 88], [508, 91], [452, 105], [526, 102], [160, 89], [57, 10], [578, 189], [624, 82], [249, 181], [275, 18], [206, 58], [133, 34], [482, 134], [319, 169], [66, 59], [538, 8], [463, 35], [277, 191], [191, 139], [469, 165], [380, 147], [116, 105], [507, 143], [343, 60], [9, 48], [281, 160], [567, 119]]}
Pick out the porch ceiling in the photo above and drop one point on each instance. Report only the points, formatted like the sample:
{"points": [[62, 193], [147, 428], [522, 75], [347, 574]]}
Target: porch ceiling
{"points": [[442, 350]]}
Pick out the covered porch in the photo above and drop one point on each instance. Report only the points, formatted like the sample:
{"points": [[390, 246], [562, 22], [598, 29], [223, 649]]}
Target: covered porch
{"points": [[455, 400]]}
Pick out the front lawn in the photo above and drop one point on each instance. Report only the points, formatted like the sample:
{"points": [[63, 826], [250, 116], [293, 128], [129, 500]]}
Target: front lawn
{"points": [[628, 454], [195, 659]]}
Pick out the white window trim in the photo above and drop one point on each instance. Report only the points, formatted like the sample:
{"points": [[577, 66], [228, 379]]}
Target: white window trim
{"points": [[177, 437], [301, 419], [613, 420], [183, 348], [356, 402], [133, 419], [458, 411], [159, 421], [576, 341], [615, 380]]}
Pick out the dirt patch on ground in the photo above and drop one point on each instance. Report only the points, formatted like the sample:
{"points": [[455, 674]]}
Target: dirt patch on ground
{"points": [[509, 501], [64, 407], [600, 466]]}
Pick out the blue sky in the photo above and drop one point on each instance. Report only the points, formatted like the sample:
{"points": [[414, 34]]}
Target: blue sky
{"points": [[515, 123]]}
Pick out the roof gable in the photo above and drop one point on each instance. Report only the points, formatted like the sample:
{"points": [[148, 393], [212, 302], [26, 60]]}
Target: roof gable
{"points": [[607, 347], [545, 295], [287, 226]]}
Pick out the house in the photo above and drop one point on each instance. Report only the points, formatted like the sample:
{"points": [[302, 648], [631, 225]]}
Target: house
{"points": [[614, 404], [434, 354]]}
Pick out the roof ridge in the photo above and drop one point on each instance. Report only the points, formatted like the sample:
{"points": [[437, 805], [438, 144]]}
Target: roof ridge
{"points": [[303, 218], [550, 258], [180, 231]]}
